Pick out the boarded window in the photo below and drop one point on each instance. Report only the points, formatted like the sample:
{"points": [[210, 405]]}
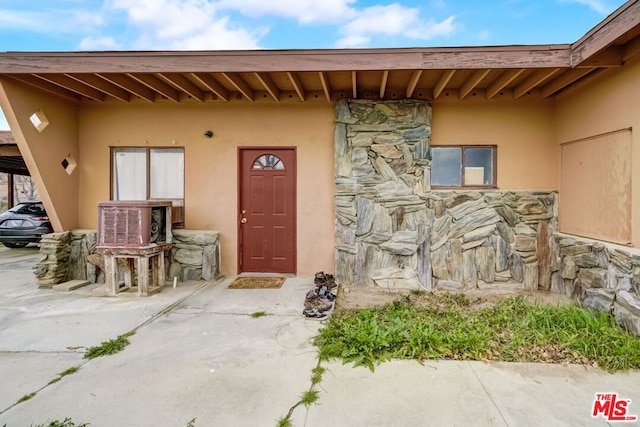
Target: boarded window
{"points": [[595, 187]]}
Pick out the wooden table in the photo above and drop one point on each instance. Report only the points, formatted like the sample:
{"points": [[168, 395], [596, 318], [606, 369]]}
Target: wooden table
{"points": [[134, 259]]}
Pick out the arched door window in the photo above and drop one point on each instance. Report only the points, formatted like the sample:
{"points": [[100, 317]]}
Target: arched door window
{"points": [[268, 162]]}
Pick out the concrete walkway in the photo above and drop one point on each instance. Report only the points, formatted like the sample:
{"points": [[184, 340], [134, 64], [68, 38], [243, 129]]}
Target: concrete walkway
{"points": [[198, 353]]}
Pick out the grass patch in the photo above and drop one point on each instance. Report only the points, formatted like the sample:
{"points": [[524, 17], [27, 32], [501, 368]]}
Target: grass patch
{"points": [[63, 374], [284, 422], [309, 397], [447, 328], [316, 375], [69, 371], [109, 347], [26, 397], [257, 314], [67, 422]]}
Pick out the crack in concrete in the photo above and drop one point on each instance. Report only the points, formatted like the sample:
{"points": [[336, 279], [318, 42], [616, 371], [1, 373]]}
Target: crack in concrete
{"points": [[83, 362], [40, 351], [488, 394]]}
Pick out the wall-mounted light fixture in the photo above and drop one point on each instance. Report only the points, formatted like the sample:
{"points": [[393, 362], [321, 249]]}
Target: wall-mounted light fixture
{"points": [[208, 134]]}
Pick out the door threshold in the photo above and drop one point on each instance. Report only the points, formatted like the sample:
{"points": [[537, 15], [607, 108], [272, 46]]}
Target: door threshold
{"points": [[259, 274]]}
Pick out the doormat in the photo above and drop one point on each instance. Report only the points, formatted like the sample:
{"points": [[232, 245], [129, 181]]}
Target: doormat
{"points": [[257, 282]]}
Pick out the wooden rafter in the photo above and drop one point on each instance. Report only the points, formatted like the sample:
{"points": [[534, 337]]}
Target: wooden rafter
{"points": [[269, 85], [383, 83], [240, 84], [501, 82], [157, 85], [413, 82], [73, 85], [102, 85], [564, 80], [130, 85], [535, 79], [354, 83], [181, 82], [297, 85], [324, 81], [212, 84], [472, 82], [442, 83], [46, 86]]}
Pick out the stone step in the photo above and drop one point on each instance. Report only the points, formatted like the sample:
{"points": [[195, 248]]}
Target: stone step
{"points": [[70, 285]]}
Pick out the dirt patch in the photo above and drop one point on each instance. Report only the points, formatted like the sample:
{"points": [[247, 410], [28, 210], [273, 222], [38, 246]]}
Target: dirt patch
{"points": [[358, 297]]}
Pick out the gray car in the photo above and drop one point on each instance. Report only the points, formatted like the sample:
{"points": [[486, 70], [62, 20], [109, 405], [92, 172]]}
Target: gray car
{"points": [[23, 224]]}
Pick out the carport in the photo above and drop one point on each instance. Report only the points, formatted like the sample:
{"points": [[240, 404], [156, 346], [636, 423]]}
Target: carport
{"points": [[11, 163]]}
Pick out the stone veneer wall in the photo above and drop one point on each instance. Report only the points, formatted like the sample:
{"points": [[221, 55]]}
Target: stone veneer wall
{"points": [[195, 256], [603, 277], [64, 256], [392, 230]]}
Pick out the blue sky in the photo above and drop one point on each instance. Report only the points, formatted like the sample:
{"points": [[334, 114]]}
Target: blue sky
{"points": [[80, 25]]}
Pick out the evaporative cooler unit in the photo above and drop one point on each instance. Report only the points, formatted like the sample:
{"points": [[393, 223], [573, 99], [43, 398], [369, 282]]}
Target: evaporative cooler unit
{"points": [[134, 224]]}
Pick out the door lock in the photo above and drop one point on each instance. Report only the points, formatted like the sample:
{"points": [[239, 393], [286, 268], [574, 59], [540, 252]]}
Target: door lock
{"points": [[243, 220]]}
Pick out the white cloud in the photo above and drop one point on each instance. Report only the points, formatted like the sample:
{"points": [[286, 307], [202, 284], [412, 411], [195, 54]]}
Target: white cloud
{"points": [[217, 24], [597, 5], [303, 11], [484, 35], [50, 20], [353, 41], [184, 25], [392, 20], [23, 20], [88, 18], [98, 43]]}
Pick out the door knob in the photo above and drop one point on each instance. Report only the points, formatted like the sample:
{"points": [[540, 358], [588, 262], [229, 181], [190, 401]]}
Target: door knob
{"points": [[243, 220]]}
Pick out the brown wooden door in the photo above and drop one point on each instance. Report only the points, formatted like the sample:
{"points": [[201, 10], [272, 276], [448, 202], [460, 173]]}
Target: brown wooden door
{"points": [[267, 216]]}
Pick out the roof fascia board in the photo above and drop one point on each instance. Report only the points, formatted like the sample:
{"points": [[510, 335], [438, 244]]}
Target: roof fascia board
{"points": [[283, 61], [618, 23]]}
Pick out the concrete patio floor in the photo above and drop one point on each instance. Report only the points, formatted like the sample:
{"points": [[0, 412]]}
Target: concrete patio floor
{"points": [[199, 354]]}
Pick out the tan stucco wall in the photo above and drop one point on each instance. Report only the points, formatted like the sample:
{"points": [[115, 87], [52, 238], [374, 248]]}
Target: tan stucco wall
{"points": [[522, 129], [211, 179], [46, 149], [606, 103]]}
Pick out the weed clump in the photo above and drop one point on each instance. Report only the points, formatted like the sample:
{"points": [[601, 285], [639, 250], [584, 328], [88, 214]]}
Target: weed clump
{"points": [[109, 347]]}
